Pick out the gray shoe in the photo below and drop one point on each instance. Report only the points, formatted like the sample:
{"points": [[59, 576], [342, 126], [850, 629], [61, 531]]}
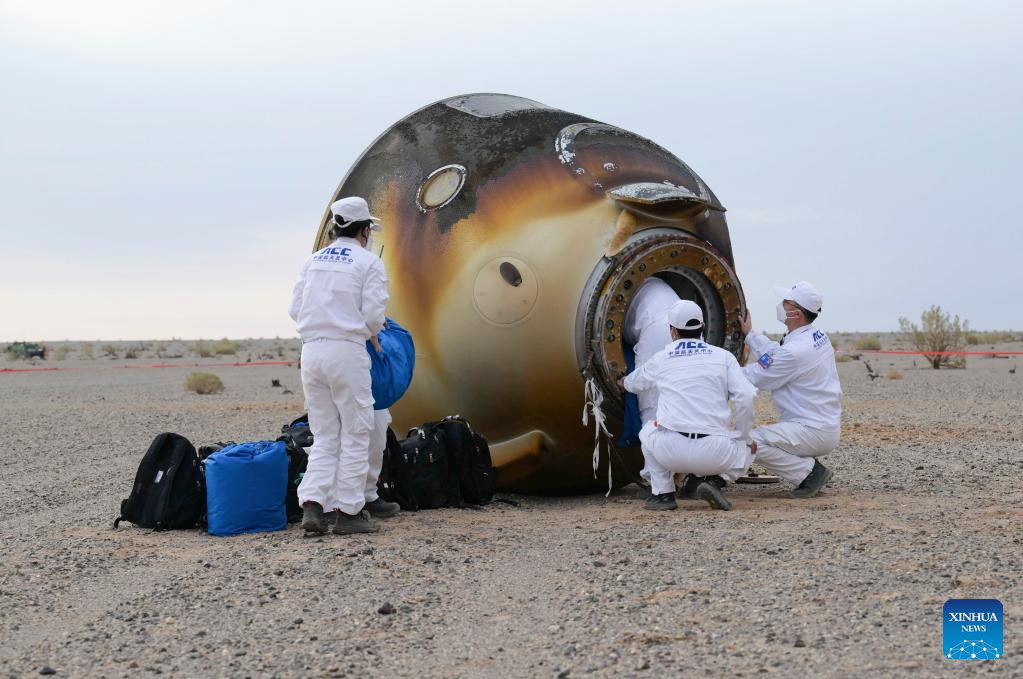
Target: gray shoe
{"points": [[814, 482], [709, 492], [688, 489], [382, 509], [661, 503], [313, 520], [348, 524], [693, 482]]}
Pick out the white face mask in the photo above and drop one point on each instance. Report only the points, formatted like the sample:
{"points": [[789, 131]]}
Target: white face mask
{"points": [[369, 242], [784, 315]]}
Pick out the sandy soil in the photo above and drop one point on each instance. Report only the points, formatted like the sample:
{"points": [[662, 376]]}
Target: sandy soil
{"points": [[926, 505]]}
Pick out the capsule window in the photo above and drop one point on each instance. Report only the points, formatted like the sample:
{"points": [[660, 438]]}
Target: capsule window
{"points": [[510, 274], [440, 187]]}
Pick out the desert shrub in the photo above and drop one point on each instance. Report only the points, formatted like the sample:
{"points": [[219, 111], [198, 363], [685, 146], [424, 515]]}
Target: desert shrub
{"points": [[938, 332], [843, 358], [109, 350], [975, 337], [160, 349], [893, 374], [133, 352], [202, 349], [225, 346], [61, 352], [203, 383], [85, 351], [870, 342]]}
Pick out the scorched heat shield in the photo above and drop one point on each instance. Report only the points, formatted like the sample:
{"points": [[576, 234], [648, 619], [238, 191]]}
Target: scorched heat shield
{"points": [[515, 235]]}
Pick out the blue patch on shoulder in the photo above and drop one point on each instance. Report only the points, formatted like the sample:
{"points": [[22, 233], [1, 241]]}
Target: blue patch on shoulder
{"points": [[765, 361]]}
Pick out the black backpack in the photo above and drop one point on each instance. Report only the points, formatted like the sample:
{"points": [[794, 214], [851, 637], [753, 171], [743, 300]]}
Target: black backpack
{"points": [[297, 437], [395, 483], [422, 469], [298, 432], [472, 473], [441, 464], [210, 448], [169, 491]]}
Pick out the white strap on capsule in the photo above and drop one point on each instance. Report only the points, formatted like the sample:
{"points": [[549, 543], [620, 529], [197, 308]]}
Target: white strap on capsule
{"points": [[593, 399]]}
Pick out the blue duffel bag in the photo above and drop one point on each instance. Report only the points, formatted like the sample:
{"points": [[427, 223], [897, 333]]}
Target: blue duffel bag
{"points": [[391, 369], [245, 488]]}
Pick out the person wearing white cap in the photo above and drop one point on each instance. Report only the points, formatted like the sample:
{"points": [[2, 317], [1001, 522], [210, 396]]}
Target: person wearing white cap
{"points": [[338, 304], [801, 374], [690, 433]]}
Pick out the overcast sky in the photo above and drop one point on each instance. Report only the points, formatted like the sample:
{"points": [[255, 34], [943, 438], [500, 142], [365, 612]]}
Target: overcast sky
{"points": [[163, 166]]}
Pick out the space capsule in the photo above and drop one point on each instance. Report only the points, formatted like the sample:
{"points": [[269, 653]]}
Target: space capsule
{"points": [[515, 235]]}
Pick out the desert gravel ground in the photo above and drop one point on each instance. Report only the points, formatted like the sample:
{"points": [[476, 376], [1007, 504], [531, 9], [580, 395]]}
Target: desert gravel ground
{"points": [[926, 505]]}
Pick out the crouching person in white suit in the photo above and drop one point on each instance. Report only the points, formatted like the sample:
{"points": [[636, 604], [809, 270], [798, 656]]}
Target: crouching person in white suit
{"points": [[690, 434], [801, 375], [338, 304]]}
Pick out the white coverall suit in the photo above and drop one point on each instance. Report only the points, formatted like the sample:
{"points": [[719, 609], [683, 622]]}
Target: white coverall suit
{"points": [[694, 381], [646, 329], [802, 377], [377, 443], [338, 303]]}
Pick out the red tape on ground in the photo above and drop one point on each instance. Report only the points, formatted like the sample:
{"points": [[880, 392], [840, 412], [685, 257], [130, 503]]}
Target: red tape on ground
{"points": [[29, 370], [201, 365], [150, 366], [941, 353]]}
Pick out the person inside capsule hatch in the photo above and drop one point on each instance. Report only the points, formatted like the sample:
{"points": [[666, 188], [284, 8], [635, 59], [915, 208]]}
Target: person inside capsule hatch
{"points": [[338, 304], [801, 374], [646, 329], [690, 434]]}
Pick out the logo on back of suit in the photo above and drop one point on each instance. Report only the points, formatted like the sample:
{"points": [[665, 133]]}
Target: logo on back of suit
{"points": [[331, 254], [690, 348]]}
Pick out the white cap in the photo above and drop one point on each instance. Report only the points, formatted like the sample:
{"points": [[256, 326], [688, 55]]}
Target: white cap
{"points": [[353, 209], [685, 315], [803, 294]]}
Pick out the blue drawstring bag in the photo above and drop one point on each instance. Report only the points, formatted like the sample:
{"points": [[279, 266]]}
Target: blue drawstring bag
{"points": [[391, 369], [632, 423], [245, 488]]}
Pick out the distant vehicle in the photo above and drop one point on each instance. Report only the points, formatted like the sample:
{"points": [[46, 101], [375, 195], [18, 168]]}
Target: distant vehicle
{"points": [[26, 350]]}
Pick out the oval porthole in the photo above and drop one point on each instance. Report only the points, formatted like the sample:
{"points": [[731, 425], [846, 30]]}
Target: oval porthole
{"points": [[510, 274], [440, 187]]}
